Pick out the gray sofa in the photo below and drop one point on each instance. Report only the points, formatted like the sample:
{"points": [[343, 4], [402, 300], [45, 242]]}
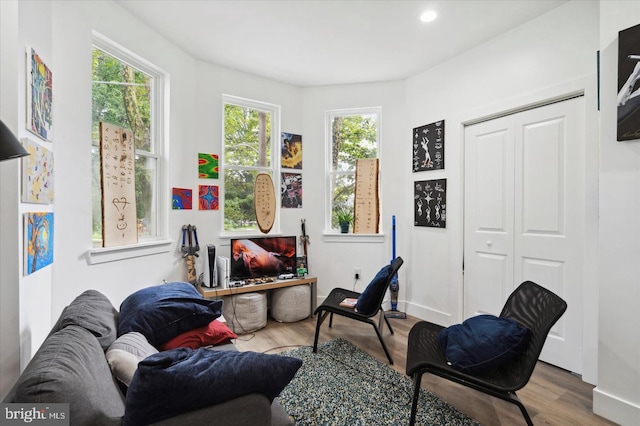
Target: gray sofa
{"points": [[71, 367]]}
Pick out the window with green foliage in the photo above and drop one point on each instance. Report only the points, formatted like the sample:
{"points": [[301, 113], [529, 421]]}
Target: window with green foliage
{"points": [[351, 135], [251, 138], [125, 92]]}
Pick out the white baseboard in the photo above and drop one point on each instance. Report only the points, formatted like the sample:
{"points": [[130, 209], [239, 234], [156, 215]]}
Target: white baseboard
{"points": [[615, 409]]}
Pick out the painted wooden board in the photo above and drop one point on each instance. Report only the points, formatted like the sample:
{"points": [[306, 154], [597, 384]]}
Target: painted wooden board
{"points": [[366, 203], [119, 219], [264, 196]]}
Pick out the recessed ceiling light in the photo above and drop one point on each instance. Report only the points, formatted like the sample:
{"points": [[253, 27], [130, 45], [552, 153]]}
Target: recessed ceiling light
{"points": [[428, 16]]}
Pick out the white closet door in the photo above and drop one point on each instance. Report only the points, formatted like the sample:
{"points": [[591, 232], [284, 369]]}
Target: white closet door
{"points": [[541, 238]]}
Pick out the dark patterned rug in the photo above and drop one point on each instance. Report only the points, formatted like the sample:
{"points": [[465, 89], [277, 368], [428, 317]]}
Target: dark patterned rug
{"points": [[343, 385]]}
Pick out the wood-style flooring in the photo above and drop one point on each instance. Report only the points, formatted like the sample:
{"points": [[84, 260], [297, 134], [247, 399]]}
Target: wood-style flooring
{"points": [[553, 396]]}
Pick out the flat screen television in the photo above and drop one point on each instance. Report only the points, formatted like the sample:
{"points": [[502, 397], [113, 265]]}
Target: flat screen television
{"points": [[262, 257]]}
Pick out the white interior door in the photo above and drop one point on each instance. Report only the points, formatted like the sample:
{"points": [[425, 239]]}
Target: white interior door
{"points": [[524, 216]]}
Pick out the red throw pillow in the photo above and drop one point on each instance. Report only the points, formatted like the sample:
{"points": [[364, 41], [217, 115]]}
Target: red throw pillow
{"points": [[213, 334]]}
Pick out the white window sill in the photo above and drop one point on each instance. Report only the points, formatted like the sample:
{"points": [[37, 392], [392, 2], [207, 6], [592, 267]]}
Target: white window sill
{"points": [[111, 254], [335, 237]]}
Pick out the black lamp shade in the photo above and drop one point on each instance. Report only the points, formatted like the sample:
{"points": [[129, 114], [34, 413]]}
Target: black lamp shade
{"points": [[9, 145]]}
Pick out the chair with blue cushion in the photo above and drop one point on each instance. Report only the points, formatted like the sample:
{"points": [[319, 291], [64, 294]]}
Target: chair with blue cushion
{"points": [[472, 361], [368, 306]]}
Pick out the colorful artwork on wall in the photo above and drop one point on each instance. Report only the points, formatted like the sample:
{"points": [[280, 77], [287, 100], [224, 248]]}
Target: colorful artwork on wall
{"points": [[291, 190], [430, 203], [208, 197], [181, 198], [39, 96], [38, 244], [428, 147], [291, 151], [628, 79], [37, 174], [208, 166]]}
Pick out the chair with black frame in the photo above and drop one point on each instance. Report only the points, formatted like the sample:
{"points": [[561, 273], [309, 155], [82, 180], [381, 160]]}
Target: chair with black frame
{"points": [[530, 306], [368, 306]]}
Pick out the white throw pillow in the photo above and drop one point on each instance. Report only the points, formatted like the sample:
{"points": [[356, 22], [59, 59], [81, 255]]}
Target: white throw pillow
{"points": [[125, 353]]}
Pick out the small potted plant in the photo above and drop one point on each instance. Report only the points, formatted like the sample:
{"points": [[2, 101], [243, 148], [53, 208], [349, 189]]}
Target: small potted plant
{"points": [[344, 217]]}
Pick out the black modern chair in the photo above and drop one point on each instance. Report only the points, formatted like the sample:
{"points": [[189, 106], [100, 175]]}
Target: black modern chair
{"points": [[375, 290], [531, 306]]}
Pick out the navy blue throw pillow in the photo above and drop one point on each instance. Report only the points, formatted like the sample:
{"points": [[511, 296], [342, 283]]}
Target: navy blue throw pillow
{"points": [[180, 380], [483, 342], [162, 312], [368, 301]]}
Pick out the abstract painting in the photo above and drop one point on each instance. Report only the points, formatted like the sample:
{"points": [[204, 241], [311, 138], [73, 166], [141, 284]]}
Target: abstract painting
{"points": [[39, 96], [291, 190], [38, 244], [291, 151], [428, 147], [37, 174], [208, 166], [430, 201], [182, 199], [208, 197]]}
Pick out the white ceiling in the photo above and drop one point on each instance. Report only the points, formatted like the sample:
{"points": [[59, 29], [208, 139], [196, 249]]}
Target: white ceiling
{"points": [[322, 42]]}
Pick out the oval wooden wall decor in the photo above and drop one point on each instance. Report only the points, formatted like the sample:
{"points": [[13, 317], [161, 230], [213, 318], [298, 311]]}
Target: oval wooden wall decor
{"points": [[264, 197]]}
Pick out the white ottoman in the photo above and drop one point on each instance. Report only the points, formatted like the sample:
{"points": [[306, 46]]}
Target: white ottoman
{"points": [[290, 304], [245, 312]]}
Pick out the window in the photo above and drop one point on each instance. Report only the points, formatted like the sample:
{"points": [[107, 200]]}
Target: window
{"points": [[127, 92], [351, 135], [251, 135]]}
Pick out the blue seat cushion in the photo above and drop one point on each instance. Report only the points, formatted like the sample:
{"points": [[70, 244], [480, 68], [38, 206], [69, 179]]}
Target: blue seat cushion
{"points": [[181, 380], [369, 300], [483, 342], [162, 312]]}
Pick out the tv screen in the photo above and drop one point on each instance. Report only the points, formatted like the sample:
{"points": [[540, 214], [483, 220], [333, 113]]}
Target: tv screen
{"points": [[262, 257]]}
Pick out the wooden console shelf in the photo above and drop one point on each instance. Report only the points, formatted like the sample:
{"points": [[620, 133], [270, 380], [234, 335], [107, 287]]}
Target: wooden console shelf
{"points": [[250, 288]]}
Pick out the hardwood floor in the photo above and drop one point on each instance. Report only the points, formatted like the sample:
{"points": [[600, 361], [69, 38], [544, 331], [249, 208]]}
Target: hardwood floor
{"points": [[553, 396]]}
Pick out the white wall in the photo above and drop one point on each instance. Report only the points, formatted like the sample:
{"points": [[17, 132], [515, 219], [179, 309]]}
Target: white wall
{"points": [[9, 193], [617, 395], [333, 259], [542, 59]]}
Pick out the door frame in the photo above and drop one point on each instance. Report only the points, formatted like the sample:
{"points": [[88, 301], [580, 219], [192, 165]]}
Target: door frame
{"points": [[584, 86]]}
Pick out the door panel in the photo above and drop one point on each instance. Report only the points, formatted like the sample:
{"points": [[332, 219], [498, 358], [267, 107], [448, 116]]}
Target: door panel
{"points": [[489, 217], [537, 233]]}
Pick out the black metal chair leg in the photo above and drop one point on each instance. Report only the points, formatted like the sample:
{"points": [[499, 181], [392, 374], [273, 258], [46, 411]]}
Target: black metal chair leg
{"points": [[417, 379], [386, 351], [388, 323], [321, 317]]}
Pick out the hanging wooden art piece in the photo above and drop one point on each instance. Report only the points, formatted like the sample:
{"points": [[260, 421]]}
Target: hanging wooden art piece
{"points": [[366, 203], [264, 196], [119, 220], [428, 147]]}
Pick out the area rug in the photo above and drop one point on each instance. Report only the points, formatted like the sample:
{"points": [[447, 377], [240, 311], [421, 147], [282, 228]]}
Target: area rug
{"points": [[343, 385]]}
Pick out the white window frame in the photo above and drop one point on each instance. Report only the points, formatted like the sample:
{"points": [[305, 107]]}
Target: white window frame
{"points": [[160, 243], [274, 111], [333, 235]]}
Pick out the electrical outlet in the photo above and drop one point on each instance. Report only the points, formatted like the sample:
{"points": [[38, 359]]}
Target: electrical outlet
{"points": [[357, 272]]}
